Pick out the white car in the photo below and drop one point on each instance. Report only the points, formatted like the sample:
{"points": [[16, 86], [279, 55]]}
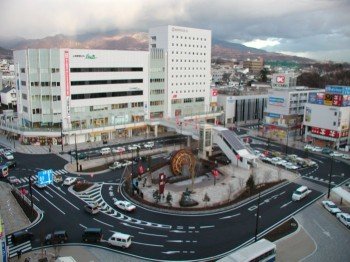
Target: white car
{"points": [[69, 181], [126, 163], [317, 149], [308, 147], [8, 156], [331, 207], [149, 145], [125, 205], [291, 166], [344, 218], [336, 154], [132, 147], [346, 156]]}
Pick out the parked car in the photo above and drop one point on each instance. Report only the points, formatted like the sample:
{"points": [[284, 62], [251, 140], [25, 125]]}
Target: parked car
{"points": [[308, 147], [133, 147], [91, 209], [291, 166], [69, 181], [57, 237], [149, 145], [346, 157], [126, 163], [125, 205], [344, 218], [13, 180], [326, 151], [11, 163], [82, 156], [21, 237], [8, 156], [317, 149], [331, 207], [336, 154]]}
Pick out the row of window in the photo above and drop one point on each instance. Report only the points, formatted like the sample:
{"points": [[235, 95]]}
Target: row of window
{"points": [[176, 76], [106, 69], [106, 82], [188, 68], [187, 100], [107, 94], [188, 61], [157, 92], [190, 38], [180, 84], [157, 103], [157, 80], [42, 83], [185, 53], [44, 70]]}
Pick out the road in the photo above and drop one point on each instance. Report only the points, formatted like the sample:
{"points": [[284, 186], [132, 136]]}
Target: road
{"points": [[163, 236]]}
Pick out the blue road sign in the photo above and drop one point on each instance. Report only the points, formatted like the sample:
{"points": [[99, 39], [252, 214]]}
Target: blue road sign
{"points": [[45, 177]]}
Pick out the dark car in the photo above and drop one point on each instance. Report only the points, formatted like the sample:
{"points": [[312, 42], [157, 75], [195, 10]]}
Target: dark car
{"points": [[91, 209], [326, 151], [57, 237], [21, 236], [11, 163], [92, 235], [13, 180]]}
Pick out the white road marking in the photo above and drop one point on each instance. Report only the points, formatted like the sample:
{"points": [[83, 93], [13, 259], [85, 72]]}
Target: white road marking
{"points": [[230, 216], [52, 204], [155, 235], [103, 222], [175, 241], [207, 226], [286, 204], [126, 224], [65, 200], [82, 226], [146, 244]]}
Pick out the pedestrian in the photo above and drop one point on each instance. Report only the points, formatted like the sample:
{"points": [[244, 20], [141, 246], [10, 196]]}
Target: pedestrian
{"points": [[19, 254]]}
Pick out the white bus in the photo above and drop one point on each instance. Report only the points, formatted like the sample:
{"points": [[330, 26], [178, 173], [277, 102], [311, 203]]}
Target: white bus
{"points": [[262, 250]]}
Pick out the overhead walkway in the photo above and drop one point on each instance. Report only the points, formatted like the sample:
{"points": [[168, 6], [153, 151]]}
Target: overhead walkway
{"points": [[233, 148]]}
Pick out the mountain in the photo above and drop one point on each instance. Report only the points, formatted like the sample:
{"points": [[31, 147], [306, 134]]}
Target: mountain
{"points": [[115, 40]]}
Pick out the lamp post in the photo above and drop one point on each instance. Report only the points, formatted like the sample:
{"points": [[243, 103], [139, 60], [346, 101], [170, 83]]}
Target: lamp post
{"points": [[330, 179], [287, 139], [76, 151], [62, 134], [257, 219]]}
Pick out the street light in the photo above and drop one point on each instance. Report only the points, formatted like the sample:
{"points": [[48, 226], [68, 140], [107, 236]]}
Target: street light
{"points": [[257, 219], [76, 152], [287, 139], [330, 179], [62, 134]]}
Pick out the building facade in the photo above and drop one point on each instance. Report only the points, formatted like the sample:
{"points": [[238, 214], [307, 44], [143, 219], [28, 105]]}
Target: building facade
{"points": [[334, 105], [85, 93], [187, 70]]}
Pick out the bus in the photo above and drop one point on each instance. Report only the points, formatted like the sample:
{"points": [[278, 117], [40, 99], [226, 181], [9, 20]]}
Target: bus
{"points": [[262, 250]]}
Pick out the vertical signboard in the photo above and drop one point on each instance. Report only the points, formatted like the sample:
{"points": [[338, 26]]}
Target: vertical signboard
{"points": [[45, 177], [162, 179], [328, 99], [308, 114], [66, 72]]}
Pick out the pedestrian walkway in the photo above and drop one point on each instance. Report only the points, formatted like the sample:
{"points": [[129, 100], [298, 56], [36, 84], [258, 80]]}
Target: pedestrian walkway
{"points": [[10, 209]]}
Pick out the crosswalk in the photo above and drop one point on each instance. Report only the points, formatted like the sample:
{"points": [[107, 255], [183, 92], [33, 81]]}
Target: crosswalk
{"points": [[25, 180], [24, 247]]}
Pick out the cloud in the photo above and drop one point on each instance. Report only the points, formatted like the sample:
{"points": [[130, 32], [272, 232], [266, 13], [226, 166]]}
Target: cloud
{"points": [[295, 24]]}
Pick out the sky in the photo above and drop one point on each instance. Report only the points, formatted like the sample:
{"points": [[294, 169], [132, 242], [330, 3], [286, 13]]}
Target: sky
{"points": [[317, 29]]}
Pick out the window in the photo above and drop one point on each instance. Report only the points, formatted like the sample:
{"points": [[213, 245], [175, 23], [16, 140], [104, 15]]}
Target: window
{"points": [[23, 70]]}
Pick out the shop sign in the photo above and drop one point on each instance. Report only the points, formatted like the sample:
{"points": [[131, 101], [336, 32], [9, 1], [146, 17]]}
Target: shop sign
{"points": [[329, 133]]}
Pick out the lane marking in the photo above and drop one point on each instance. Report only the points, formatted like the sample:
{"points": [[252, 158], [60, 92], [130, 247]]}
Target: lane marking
{"points": [[51, 203], [154, 235], [227, 217], [146, 244], [77, 208], [207, 226], [103, 222], [126, 224]]}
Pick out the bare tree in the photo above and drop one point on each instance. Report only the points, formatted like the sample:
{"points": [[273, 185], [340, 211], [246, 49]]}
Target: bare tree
{"points": [[279, 174], [267, 176], [230, 190], [241, 183]]}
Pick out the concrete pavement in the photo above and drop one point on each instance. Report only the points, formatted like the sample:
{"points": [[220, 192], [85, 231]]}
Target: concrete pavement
{"points": [[301, 243]]}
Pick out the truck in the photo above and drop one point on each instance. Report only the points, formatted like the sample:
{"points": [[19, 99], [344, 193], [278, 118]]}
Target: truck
{"points": [[115, 165]]}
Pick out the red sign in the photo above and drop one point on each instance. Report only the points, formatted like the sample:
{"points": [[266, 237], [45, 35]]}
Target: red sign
{"points": [[120, 151], [326, 132], [23, 191], [66, 72], [141, 169], [280, 79], [174, 96], [215, 173], [215, 92], [337, 100], [266, 153], [162, 179], [238, 157]]}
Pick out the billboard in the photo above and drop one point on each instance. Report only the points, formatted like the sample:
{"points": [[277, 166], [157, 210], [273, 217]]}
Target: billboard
{"points": [[328, 99], [276, 101], [340, 90], [329, 133], [337, 100], [316, 98]]}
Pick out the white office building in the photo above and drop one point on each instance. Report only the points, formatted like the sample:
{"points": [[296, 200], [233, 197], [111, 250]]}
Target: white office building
{"points": [[187, 69]]}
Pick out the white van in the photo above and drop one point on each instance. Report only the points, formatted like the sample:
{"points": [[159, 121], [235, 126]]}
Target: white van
{"points": [[105, 151], [300, 193], [120, 240]]}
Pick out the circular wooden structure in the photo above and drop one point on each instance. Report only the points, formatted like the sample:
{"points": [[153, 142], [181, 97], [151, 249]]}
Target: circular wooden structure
{"points": [[181, 158]]}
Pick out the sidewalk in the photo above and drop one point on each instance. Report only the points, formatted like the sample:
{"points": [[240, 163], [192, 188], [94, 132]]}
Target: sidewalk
{"points": [[300, 242]]}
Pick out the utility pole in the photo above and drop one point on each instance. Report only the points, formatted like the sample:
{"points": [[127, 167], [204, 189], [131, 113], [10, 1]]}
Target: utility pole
{"points": [[76, 152], [330, 179], [257, 219]]}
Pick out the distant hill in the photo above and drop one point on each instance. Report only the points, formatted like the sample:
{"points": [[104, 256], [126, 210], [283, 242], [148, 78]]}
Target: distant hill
{"points": [[139, 41]]}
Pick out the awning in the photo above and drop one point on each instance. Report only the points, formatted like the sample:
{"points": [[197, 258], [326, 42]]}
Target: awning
{"points": [[101, 132], [342, 193], [135, 127], [323, 137]]}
